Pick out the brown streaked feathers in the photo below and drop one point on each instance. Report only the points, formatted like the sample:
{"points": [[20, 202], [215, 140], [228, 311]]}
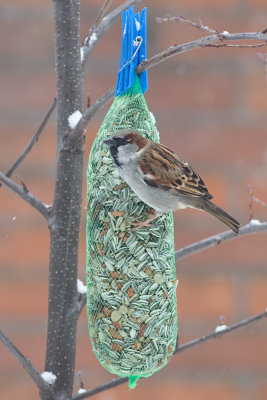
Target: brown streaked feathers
{"points": [[161, 178], [170, 172]]}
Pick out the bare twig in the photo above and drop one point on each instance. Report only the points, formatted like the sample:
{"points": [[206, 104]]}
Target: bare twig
{"points": [[253, 227], [259, 201], [263, 57], [102, 12], [32, 141], [24, 187], [253, 199], [101, 388], [26, 364], [250, 205], [199, 25], [90, 111], [88, 101], [102, 27], [240, 46], [199, 43], [25, 195], [204, 28], [218, 334], [80, 376], [98, 19], [213, 335]]}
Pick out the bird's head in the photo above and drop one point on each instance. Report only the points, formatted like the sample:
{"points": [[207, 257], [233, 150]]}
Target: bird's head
{"points": [[124, 145]]}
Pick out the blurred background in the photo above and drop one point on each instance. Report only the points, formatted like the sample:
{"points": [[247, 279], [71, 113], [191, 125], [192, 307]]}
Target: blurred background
{"points": [[210, 107]]}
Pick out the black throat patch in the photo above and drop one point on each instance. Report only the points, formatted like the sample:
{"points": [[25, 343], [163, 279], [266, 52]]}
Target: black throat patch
{"points": [[114, 153]]}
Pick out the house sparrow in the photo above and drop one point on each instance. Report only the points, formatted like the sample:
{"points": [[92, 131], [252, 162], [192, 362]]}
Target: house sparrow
{"points": [[160, 178]]}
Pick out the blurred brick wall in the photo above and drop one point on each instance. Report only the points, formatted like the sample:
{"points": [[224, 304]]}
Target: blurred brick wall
{"points": [[210, 106]]}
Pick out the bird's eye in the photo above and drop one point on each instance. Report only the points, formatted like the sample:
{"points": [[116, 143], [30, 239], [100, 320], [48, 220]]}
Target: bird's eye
{"points": [[122, 141]]}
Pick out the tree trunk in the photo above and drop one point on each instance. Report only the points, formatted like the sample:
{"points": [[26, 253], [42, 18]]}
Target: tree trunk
{"points": [[64, 221]]}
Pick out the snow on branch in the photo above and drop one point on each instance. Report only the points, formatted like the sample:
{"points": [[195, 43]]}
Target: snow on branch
{"points": [[218, 333], [49, 377], [220, 328], [81, 287], [74, 118]]}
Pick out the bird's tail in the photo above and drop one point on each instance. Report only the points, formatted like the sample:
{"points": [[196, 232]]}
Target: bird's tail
{"points": [[221, 215]]}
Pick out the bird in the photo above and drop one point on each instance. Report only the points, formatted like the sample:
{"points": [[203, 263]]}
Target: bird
{"points": [[160, 178]]}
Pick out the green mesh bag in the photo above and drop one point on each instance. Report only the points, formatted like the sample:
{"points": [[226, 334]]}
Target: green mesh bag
{"points": [[131, 277]]}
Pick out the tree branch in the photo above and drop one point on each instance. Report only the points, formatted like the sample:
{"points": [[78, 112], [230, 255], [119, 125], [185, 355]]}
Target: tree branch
{"points": [[32, 141], [101, 388], [199, 25], [253, 227], [253, 199], [199, 43], [213, 335], [95, 35], [240, 46], [207, 41], [27, 365], [204, 28], [263, 57], [25, 195], [219, 333], [98, 19]]}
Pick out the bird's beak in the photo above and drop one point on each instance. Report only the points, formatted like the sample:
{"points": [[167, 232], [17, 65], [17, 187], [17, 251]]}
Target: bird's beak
{"points": [[110, 141]]}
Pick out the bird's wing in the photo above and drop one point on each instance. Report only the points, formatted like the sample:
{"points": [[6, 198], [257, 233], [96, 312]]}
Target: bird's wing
{"points": [[167, 171]]}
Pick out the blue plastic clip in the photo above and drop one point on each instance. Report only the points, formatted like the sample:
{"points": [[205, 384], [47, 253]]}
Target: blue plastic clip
{"points": [[133, 50]]}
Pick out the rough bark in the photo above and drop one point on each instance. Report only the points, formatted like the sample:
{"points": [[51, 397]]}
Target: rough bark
{"points": [[64, 221]]}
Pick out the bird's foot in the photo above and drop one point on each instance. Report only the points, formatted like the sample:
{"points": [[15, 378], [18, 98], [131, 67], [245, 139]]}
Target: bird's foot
{"points": [[139, 224]]}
